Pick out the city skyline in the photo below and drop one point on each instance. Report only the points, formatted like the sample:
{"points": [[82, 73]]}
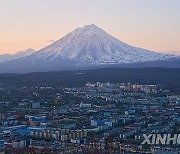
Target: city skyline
{"points": [[34, 24]]}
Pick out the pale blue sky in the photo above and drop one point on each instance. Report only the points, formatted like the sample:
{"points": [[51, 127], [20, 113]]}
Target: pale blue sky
{"points": [[151, 24]]}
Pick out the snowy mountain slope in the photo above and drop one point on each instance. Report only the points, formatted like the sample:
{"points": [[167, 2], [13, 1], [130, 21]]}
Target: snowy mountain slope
{"points": [[91, 44], [20, 54], [88, 47]]}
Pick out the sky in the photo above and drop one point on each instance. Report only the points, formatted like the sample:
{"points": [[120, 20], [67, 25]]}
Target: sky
{"points": [[149, 24]]}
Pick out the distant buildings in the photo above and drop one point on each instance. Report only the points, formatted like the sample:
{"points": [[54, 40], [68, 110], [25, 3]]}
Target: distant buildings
{"points": [[85, 115], [35, 105], [96, 123], [85, 105]]}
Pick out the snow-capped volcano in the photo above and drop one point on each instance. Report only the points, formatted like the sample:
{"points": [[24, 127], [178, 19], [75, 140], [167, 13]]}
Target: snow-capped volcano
{"points": [[87, 47], [90, 44]]}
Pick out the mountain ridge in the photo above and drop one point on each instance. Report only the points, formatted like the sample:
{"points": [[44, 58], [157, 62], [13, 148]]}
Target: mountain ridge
{"points": [[17, 55], [73, 78], [88, 47]]}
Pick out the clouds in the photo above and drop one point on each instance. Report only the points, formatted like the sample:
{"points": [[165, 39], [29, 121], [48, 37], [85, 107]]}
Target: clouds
{"points": [[6, 44]]}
